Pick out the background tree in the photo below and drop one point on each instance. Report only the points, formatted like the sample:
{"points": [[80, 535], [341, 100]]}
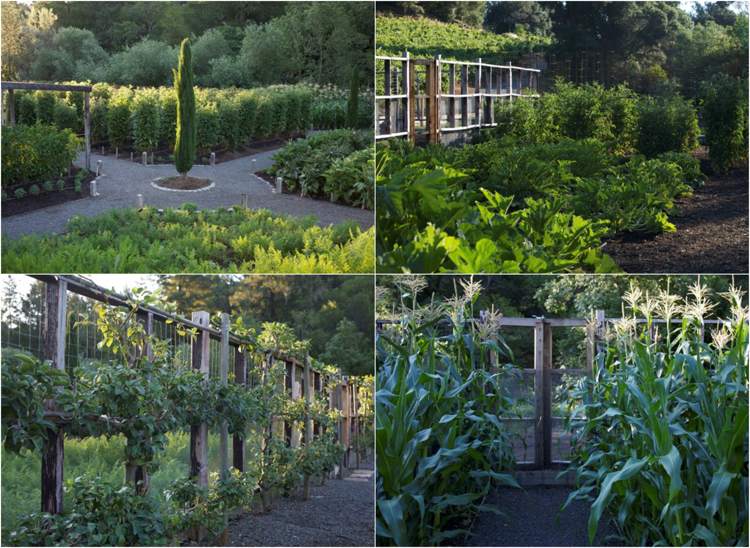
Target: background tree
{"points": [[184, 149], [468, 13], [531, 17], [352, 105]]}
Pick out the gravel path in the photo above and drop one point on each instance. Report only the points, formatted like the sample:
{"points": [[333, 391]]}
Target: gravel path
{"points": [[339, 513], [532, 518], [122, 180]]}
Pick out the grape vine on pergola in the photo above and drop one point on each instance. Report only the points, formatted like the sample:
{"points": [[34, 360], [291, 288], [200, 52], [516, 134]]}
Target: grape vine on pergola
{"points": [[10, 111]]}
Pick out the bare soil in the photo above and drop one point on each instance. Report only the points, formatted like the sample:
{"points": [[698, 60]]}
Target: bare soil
{"points": [[711, 236], [14, 206], [532, 517], [183, 183]]}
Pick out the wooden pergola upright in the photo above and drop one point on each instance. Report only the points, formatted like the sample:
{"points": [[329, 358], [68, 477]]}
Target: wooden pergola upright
{"points": [[10, 87]]}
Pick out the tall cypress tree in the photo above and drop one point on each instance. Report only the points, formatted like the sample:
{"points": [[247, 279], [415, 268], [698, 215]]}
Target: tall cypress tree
{"points": [[352, 107], [184, 148]]}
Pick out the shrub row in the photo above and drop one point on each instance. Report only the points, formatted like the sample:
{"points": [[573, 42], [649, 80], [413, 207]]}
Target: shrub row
{"points": [[615, 116], [144, 118], [724, 117], [325, 165], [35, 153]]}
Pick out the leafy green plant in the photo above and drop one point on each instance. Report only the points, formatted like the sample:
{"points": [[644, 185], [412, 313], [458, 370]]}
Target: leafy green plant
{"points": [[101, 515], [664, 444], [198, 241], [439, 441], [724, 116], [666, 124], [350, 179]]}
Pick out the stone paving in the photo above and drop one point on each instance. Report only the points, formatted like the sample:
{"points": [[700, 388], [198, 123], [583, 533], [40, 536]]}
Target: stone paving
{"points": [[122, 180]]}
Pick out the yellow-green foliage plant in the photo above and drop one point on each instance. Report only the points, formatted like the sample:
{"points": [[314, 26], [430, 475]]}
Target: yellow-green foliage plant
{"points": [[663, 449]]}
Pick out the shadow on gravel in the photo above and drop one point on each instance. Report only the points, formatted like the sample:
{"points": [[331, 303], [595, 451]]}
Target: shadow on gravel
{"points": [[532, 518], [339, 513]]}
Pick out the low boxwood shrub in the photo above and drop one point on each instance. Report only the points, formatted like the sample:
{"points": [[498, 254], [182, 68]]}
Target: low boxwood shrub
{"points": [[724, 117], [666, 124], [36, 153]]}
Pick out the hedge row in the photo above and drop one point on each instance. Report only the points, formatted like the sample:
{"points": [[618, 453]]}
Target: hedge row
{"points": [[617, 116], [144, 118], [35, 153], [325, 165]]}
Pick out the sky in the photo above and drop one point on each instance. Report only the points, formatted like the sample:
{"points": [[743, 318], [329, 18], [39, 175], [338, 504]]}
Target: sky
{"points": [[119, 283]]}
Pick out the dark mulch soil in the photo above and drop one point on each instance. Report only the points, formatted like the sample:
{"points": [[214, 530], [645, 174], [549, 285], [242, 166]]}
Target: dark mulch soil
{"points": [[711, 236], [46, 199], [183, 183], [339, 513], [533, 518]]}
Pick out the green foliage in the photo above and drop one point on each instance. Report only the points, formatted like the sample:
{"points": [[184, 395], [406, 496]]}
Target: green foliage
{"points": [[351, 179], [424, 37], [664, 444], [118, 118], [440, 446], [145, 121], [101, 514], [66, 117], [45, 107], [500, 206], [303, 163], [187, 122], [35, 153], [146, 63], [201, 241], [666, 124], [724, 116], [352, 106]]}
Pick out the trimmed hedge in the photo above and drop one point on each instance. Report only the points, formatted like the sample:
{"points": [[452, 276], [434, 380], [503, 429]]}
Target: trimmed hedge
{"points": [[36, 153], [145, 118]]}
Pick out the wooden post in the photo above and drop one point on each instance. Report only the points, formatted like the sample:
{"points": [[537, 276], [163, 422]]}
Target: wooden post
{"points": [[53, 338], [405, 79], [412, 115], [600, 329], [539, 394], [238, 441], [547, 410], [11, 108], [387, 92], [590, 346], [87, 127], [199, 433], [452, 91], [510, 82], [340, 427], [477, 91], [464, 98], [433, 93], [308, 421], [223, 377], [355, 411]]}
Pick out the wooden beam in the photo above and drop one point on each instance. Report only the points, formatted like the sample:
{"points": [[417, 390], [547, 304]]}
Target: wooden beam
{"points": [[54, 329], [412, 114], [238, 441], [43, 87], [199, 433]]}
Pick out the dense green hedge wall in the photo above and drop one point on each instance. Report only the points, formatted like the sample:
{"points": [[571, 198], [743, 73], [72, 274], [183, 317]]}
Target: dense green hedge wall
{"points": [[35, 153]]}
